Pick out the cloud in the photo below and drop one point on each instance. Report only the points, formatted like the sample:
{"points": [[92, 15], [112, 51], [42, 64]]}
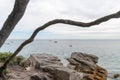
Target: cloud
{"points": [[91, 8], [41, 11]]}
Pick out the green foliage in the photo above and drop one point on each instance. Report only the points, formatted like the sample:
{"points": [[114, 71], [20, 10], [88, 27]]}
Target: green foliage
{"points": [[4, 56], [16, 61]]}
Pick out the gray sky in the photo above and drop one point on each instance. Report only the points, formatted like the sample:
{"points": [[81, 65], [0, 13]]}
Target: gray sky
{"points": [[41, 11]]}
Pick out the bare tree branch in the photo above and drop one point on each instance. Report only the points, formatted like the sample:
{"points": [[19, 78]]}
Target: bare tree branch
{"points": [[69, 22], [13, 19]]}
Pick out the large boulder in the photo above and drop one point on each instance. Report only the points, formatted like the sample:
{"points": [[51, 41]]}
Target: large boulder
{"points": [[86, 63], [63, 73], [40, 60], [83, 62], [51, 64]]}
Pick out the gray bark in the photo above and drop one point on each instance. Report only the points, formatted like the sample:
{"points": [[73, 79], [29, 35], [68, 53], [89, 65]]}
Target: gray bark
{"points": [[13, 19]]}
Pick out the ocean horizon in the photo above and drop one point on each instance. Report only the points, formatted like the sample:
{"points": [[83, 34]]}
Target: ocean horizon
{"points": [[106, 49]]}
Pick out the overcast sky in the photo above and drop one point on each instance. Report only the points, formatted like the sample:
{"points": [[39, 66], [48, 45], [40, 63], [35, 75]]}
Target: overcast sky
{"points": [[41, 11]]}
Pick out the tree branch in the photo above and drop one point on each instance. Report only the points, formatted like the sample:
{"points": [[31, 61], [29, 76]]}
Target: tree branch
{"points": [[13, 19], [69, 22]]}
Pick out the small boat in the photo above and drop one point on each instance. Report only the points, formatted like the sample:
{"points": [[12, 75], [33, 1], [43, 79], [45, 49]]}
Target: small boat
{"points": [[55, 41], [7, 43], [70, 45], [11, 41]]}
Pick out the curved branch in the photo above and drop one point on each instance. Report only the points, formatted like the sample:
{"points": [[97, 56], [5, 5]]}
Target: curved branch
{"points": [[69, 22], [13, 19]]}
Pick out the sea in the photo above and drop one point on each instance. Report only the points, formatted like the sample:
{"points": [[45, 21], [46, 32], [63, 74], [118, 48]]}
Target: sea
{"points": [[107, 50]]}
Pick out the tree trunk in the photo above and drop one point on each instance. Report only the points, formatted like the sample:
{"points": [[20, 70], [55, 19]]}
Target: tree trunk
{"points": [[13, 19]]}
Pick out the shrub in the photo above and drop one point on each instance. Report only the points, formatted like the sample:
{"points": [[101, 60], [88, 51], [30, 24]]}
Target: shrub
{"points": [[5, 55]]}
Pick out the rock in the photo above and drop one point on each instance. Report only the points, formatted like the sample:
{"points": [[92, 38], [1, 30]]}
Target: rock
{"points": [[116, 76], [86, 63], [41, 77], [35, 77], [97, 74], [51, 64], [81, 67], [84, 57], [63, 73], [11, 76], [83, 62], [39, 60], [109, 79]]}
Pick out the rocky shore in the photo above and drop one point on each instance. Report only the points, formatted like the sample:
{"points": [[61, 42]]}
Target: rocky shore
{"points": [[81, 66]]}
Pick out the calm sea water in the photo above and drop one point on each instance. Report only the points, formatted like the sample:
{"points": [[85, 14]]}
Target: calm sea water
{"points": [[108, 51]]}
